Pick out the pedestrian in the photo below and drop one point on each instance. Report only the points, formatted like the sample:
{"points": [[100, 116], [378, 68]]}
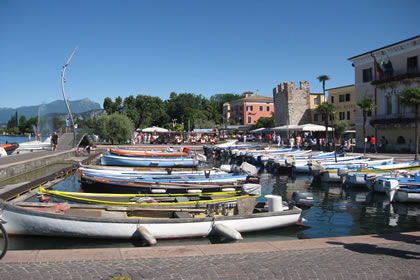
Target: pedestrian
{"points": [[270, 138], [373, 144], [383, 144], [142, 138], [67, 125], [278, 140], [292, 142], [54, 141], [298, 141]]}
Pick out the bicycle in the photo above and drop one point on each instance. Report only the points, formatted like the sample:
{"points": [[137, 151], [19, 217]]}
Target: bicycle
{"points": [[4, 238]]}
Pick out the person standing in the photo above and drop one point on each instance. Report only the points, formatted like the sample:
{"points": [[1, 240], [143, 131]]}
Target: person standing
{"points": [[373, 144], [54, 141], [270, 138], [67, 125]]}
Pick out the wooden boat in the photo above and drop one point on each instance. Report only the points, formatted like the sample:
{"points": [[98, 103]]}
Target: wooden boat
{"points": [[101, 185], [132, 222], [10, 147], [31, 146], [134, 153], [148, 161], [133, 171], [170, 200]]}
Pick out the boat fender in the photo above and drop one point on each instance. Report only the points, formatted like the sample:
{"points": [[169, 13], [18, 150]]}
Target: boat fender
{"points": [[150, 239], [342, 171], [227, 232]]}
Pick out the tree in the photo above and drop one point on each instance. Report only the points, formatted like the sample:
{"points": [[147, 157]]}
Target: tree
{"points": [[145, 110], [367, 106], [119, 128], [22, 124], [112, 107], [411, 97], [340, 128], [322, 79], [327, 110], [265, 122]]}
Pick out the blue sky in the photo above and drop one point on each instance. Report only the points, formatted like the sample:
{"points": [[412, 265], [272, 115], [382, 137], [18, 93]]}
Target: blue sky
{"points": [[200, 46]]}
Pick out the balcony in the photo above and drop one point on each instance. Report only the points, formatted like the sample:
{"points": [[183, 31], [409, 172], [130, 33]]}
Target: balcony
{"points": [[397, 76], [392, 119]]}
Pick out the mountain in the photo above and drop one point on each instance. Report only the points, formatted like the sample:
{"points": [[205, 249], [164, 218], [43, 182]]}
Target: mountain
{"points": [[58, 106]]}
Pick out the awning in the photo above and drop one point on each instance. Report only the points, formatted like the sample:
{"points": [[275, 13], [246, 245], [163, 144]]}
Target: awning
{"points": [[154, 129], [261, 130]]}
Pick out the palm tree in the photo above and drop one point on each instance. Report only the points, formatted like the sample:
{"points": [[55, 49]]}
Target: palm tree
{"points": [[411, 97], [322, 79], [367, 106], [326, 110]]}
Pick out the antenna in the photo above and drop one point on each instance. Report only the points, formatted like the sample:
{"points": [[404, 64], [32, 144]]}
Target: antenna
{"points": [[64, 93]]}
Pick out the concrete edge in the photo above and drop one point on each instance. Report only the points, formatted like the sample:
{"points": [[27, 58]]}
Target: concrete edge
{"points": [[204, 250]]}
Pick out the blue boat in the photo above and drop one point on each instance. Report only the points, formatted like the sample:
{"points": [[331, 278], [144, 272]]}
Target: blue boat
{"points": [[148, 161]]}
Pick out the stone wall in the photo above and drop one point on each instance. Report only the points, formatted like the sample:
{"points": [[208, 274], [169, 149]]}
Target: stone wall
{"points": [[291, 104]]}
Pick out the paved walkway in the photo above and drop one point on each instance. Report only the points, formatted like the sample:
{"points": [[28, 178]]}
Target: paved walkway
{"points": [[390, 256]]}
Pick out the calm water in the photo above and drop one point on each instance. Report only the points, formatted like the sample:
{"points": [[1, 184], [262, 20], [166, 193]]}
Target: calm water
{"points": [[17, 139], [339, 211]]}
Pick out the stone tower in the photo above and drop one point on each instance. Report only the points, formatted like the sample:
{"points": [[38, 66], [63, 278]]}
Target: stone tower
{"points": [[291, 104]]}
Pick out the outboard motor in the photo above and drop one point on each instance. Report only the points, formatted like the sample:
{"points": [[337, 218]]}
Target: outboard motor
{"points": [[303, 200]]}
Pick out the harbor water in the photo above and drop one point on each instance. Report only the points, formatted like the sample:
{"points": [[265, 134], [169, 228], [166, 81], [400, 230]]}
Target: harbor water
{"points": [[338, 211]]}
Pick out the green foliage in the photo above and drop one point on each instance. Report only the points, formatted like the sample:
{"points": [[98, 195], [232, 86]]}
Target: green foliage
{"points": [[366, 105], [265, 122], [203, 123], [322, 79], [410, 97], [116, 128], [113, 107], [340, 128], [12, 122], [327, 110]]}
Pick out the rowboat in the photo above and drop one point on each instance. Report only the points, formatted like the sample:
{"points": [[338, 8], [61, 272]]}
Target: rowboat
{"points": [[31, 146], [134, 153], [160, 200], [174, 178], [136, 222], [104, 185], [110, 159], [10, 147]]}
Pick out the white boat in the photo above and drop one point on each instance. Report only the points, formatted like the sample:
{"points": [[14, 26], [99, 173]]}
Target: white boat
{"points": [[31, 146], [104, 221], [400, 191]]}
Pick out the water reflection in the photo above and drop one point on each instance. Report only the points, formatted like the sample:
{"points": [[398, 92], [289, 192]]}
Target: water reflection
{"points": [[338, 211]]}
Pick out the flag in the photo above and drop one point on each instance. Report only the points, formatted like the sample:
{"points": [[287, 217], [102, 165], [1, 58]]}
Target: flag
{"points": [[379, 69]]}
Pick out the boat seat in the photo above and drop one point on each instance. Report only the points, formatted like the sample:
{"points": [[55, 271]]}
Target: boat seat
{"points": [[114, 215], [83, 213], [182, 199], [182, 215]]}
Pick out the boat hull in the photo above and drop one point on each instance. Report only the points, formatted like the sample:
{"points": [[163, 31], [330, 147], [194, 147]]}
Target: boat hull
{"points": [[147, 162]]}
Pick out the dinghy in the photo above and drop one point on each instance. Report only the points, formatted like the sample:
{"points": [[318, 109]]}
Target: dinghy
{"points": [[148, 161]]}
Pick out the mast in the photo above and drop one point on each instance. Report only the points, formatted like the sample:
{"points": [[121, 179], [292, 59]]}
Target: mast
{"points": [[64, 93]]}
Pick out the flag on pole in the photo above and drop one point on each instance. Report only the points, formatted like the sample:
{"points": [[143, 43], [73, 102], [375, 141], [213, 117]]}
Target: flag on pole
{"points": [[379, 69]]}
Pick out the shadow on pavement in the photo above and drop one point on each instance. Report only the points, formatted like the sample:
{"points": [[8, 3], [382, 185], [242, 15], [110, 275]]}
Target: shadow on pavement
{"points": [[375, 250], [407, 238]]}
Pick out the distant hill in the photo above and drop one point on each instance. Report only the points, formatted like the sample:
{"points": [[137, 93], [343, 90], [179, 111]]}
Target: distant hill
{"points": [[58, 106]]}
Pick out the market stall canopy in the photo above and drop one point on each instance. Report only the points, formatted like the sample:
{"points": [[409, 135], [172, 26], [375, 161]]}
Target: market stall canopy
{"points": [[154, 129], [261, 130]]}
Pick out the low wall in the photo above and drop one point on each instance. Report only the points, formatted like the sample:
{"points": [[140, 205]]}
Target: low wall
{"points": [[20, 167]]}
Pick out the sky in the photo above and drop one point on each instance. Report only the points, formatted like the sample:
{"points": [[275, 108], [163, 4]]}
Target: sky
{"points": [[204, 47]]}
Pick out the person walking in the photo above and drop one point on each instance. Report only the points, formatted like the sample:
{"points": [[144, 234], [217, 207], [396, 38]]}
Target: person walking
{"points": [[54, 141], [67, 125]]}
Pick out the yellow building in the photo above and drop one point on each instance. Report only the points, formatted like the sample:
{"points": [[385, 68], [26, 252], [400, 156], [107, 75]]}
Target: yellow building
{"points": [[344, 99], [315, 99]]}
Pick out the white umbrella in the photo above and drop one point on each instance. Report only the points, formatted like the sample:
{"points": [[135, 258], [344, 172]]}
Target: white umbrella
{"points": [[313, 127], [154, 129], [286, 127]]}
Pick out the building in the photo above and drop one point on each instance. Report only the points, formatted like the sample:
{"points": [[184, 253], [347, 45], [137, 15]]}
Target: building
{"points": [[381, 75], [247, 110], [291, 104], [315, 99], [344, 99]]}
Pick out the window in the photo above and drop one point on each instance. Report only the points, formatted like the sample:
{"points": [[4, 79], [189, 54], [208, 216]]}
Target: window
{"points": [[347, 97], [268, 108], [348, 115], [332, 99], [315, 117], [316, 101], [388, 103], [412, 64], [342, 116], [249, 108], [367, 75], [331, 117], [261, 108], [323, 118], [249, 119], [341, 98]]}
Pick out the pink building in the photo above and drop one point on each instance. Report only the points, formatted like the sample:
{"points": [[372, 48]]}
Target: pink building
{"points": [[247, 110]]}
